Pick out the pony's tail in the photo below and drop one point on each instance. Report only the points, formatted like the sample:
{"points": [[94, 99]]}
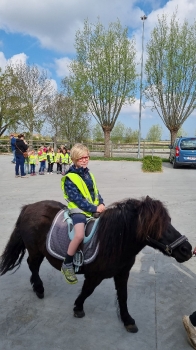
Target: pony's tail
{"points": [[14, 250]]}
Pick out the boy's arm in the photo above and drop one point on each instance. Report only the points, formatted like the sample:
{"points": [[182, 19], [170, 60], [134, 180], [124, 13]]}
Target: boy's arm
{"points": [[100, 199], [76, 197]]}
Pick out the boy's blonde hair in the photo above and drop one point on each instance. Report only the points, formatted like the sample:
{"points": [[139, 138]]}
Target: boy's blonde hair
{"points": [[78, 151]]}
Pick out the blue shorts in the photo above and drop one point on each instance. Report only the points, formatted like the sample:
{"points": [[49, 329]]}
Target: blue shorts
{"points": [[78, 218]]}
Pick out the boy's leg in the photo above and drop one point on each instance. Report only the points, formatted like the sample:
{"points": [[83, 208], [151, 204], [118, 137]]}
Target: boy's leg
{"points": [[67, 266]]}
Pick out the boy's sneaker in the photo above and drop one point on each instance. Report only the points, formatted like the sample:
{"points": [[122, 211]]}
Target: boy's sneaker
{"points": [[17, 175], [191, 331], [24, 177], [69, 274]]}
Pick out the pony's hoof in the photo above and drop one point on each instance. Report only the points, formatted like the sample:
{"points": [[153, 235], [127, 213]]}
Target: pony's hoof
{"points": [[40, 295], [79, 314], [131, 328]]}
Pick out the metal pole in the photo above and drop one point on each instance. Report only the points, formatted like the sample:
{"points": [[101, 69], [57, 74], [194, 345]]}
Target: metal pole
{"points": [[143, 18]]}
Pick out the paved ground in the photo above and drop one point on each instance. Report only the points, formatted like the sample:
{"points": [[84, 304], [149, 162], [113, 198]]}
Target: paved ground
{"points": [[160, 289]]}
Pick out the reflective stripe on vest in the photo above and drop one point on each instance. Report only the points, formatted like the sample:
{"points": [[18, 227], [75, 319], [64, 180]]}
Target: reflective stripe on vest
{"points": [[79, 182]]}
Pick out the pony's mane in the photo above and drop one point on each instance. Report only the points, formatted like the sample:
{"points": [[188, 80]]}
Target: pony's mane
{"points": [[130, 220]]}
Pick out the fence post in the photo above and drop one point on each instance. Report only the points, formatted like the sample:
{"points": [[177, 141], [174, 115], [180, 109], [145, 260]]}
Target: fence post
{"points": [[111, 149], [144, 145]]}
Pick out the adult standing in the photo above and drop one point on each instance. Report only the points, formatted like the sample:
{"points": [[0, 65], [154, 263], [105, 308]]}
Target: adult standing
{"points": [[21, 147], [13, 147]]}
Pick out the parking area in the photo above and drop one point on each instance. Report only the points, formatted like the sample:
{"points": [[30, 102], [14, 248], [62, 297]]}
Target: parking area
{"points": [[160, 290]]}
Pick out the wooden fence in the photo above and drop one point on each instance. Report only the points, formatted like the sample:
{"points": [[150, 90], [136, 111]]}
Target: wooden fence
{"points": [[160, 148]]}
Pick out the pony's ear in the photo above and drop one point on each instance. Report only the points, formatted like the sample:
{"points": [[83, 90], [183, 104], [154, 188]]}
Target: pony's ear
{"points": [[147, 197]]}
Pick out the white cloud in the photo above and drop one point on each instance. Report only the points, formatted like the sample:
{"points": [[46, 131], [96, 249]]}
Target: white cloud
{"points": [[3, 61], [62, 66], [55, 23], [54, 84], [18, 58], [133, 110]]}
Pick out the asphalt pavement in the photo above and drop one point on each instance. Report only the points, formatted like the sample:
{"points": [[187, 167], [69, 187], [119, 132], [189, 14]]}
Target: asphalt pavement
{"points": [[160, 290]]}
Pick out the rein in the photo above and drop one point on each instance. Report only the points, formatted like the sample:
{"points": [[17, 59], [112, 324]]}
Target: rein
{"points": [[168, 248]]}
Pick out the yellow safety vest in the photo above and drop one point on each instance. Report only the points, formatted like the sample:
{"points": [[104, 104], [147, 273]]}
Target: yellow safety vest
{"points": [[57, 157], [32, 159], [65, 158], [77, 180], [51, 157]]}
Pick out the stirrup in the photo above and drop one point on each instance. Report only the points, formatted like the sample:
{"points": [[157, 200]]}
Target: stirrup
{"points": [[78, 260]]}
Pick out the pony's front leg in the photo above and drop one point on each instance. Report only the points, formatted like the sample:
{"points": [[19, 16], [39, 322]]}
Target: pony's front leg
{"points": [[88, 288], [120, 281]]}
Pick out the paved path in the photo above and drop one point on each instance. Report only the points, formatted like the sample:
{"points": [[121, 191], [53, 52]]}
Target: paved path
{"points": [[160, 289]]}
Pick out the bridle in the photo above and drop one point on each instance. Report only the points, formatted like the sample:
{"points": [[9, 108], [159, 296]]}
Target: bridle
{"points": [[168, 248]]}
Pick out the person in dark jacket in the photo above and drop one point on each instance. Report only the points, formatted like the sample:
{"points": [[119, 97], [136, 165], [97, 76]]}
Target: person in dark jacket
{"points": [[13, 147], [21, 147]]}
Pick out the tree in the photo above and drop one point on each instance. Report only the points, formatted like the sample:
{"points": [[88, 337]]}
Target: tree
{"points": [[67, 117], [103, 73], [182, 132], [118, 132], [154, 134], [32, 88], [171, 71], [98, 133], [131, 135], [8, 102]]}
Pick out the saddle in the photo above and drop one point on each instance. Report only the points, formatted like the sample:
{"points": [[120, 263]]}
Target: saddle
{"points": [[61, 233]]}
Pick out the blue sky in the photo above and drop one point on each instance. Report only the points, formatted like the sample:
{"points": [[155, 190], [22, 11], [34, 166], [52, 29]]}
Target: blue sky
{"points": [[43, 32]]}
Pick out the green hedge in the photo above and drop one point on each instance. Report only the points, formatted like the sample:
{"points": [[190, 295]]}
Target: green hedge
{"points": [[152, 164]]}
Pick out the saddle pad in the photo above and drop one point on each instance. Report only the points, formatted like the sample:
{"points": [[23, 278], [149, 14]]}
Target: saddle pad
{"points": [[58, 240]]}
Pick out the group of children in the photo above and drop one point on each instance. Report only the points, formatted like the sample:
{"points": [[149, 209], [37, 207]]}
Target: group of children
{"points": [[46, 158]]}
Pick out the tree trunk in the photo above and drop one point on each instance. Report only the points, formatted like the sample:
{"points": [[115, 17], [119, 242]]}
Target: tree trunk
{"points": [[31, 135], [106, 131], [173, 135], [54, 138]]}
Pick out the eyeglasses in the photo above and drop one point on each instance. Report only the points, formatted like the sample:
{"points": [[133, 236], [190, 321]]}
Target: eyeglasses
{"points": [[83, 159]]}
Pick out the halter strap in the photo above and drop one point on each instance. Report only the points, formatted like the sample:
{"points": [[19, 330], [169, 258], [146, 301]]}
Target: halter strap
{"points": [[168, 248]]}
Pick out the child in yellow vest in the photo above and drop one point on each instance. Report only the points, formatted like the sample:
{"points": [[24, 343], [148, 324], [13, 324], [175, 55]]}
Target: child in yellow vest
{"points": [[42, 156], [66, 161], [33, 160], [80, 191], [50, 159], [58, 161]]}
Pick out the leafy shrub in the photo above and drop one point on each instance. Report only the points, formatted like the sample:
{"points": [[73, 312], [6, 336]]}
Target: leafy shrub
{"points": [[152, 164]]}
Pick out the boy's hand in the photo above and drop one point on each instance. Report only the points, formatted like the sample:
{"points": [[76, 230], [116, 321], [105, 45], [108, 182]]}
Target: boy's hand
{"points": [[194, 251], [100, 208]]}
